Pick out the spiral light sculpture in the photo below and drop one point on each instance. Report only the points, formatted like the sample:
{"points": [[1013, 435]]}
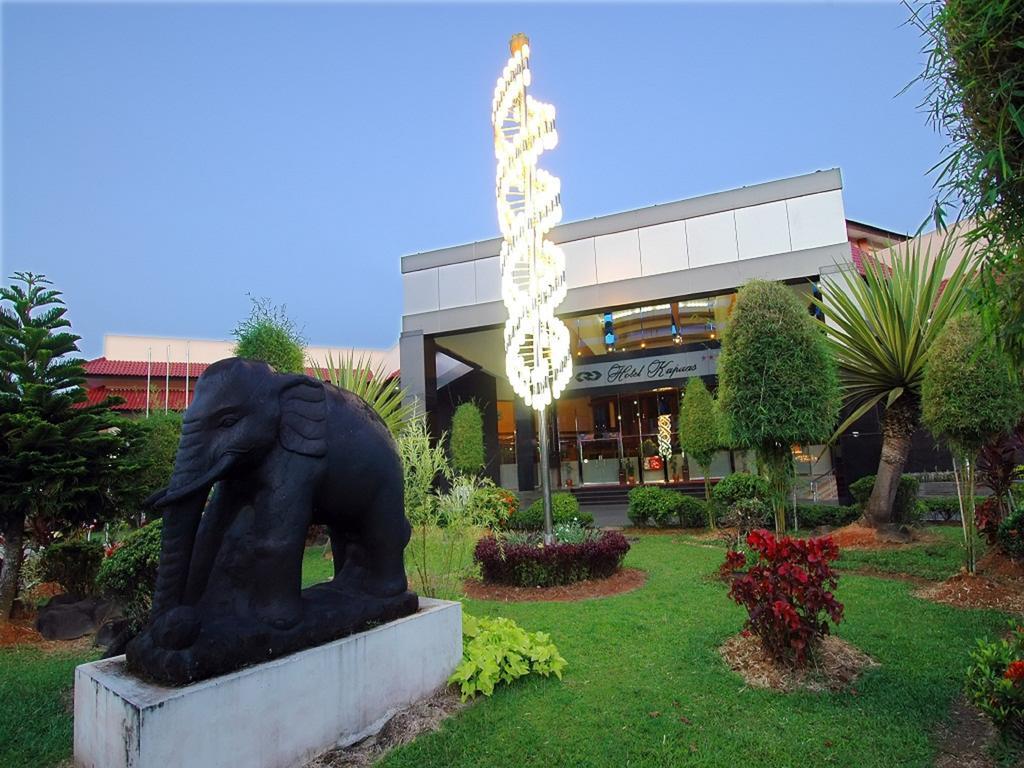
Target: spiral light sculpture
{"points": [[537, 358]]}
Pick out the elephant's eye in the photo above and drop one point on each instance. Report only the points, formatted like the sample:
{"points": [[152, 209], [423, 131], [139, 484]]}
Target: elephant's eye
{"points": [[228, 421]]}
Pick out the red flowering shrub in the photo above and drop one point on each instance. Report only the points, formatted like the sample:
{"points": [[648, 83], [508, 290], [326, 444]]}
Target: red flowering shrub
{"points": [[1015, 672], [495, 504], [988, 515], [527, 564], [995, 682], [787, 591]]}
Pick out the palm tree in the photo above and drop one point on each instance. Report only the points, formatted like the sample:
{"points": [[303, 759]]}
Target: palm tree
{"points": [[381, 392], [882, 328]]}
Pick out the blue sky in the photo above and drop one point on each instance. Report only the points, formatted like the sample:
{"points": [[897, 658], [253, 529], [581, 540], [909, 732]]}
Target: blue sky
{"points": [[162, 161]]}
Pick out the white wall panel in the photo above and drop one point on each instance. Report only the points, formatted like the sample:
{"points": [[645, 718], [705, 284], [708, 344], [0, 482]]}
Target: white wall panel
{"points": [[762, 230], [456, 285], [816, 220], [580, 266], [663, 248], [617, 256], [711, 239], [420, 291], [488, 279]]}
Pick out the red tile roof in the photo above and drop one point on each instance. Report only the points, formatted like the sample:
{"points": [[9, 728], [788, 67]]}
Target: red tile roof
{"points": [[860, 257], [135, 399], [103, 367]]}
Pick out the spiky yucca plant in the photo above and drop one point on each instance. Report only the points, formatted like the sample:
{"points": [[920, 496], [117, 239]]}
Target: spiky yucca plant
{"points": [[372, 383], [882, 328]]}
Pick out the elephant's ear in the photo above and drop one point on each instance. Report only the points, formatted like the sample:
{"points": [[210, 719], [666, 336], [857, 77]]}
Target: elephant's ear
{"points": [[304, 417]]}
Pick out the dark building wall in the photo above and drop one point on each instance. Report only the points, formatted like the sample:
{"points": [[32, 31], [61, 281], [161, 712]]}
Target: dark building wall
{"points": [[482, 389], [860, 448]]}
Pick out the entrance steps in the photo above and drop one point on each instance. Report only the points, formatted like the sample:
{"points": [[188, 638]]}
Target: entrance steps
{"points": [[601, 495]]}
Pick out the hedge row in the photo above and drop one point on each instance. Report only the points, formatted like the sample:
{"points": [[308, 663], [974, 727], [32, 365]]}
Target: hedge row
{"points": [[564, 509], [525, 565]]}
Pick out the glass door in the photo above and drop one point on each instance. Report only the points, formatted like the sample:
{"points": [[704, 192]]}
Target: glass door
{"points": [[600, 460]]}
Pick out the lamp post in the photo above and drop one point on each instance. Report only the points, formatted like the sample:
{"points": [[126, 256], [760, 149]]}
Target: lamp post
{"points": [[537, 358]]}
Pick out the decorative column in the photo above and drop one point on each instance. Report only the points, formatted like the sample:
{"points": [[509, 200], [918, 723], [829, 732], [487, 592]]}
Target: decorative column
{"points": [[537, 358]]}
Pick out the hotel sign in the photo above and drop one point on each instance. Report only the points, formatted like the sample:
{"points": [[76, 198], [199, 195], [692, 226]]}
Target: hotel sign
{"points": [[651, 369]]}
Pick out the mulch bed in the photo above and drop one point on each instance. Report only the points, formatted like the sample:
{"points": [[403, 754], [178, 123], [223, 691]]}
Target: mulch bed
{"points": [[998, 566], [625, 580], [421, 717], [835, 666], [857, 536], [966, 591], [23, 632], [964, 741]]}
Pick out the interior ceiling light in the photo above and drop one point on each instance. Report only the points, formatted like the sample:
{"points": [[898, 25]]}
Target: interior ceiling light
{"points": [[537, 357]]}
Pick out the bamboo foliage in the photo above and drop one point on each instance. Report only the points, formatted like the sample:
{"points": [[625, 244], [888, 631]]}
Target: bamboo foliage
{"points": [[882, 327], [382, 393]]}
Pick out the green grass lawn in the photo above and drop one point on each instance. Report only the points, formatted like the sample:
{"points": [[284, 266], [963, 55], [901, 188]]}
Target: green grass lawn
{"points": [[645, 685], [936, 560], [36, 706]]}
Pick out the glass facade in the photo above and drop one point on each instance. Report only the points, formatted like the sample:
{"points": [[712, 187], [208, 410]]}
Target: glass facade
{"points": [[628, 433], [671, 324]]}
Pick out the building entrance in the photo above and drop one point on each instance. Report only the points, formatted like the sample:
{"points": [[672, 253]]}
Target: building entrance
{"points": [[621, 438]]}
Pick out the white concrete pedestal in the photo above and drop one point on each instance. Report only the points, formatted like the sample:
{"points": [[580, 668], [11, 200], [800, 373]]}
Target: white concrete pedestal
{"points": [[273, 715]]}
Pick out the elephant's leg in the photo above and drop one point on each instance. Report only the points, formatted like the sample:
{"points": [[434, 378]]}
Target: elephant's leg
{"points": [[375, 563], [280, 533]]}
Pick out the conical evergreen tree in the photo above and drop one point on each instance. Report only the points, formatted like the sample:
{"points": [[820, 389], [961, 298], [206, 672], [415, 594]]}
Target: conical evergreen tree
{"points": [[56, 458]]}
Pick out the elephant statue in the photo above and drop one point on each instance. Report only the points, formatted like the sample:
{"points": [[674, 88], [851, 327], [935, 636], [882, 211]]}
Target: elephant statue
{"points": [[262, 456]]}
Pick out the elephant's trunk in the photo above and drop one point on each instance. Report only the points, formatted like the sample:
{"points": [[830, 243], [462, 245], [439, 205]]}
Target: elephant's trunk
{"points": [[184, 500], [180, 524]]}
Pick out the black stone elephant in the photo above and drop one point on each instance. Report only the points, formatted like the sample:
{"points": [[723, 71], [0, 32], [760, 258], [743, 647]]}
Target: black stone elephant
{"points": [[280, 452]]}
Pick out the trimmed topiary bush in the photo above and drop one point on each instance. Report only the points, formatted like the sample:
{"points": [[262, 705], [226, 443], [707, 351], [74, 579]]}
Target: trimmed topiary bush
{"points": [[967, 398], [693, 512], [665, 507], [129, 574], [652, 503], [778, 384], [700, 433], [564, 509], [467, 439], [739, 486], [525, 564], [72, 564], [905, 509]]}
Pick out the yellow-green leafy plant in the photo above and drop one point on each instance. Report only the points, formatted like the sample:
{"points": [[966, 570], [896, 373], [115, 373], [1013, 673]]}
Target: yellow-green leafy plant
{"points": [[382, 392], [497, 650], [445, 523]]}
